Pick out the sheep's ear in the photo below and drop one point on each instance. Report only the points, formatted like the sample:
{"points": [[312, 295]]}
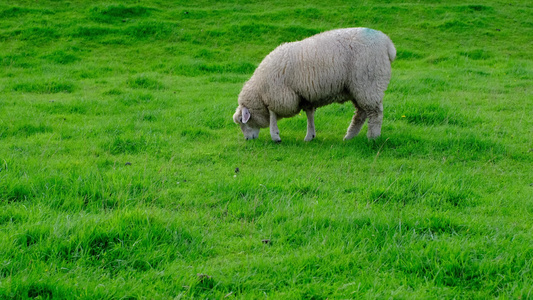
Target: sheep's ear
{"points": [[245, 115]]}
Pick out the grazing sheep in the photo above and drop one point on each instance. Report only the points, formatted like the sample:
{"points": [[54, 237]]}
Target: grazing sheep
{"points": [[352, 64]]}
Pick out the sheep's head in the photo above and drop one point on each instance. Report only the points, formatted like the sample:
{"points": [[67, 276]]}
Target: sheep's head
{"points": [[249, 128]]}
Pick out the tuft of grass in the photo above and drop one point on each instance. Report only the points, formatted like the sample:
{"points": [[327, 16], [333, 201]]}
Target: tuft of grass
{"points": [[17, 11], [118, 13], [151, 29], [434, 114], [92, 32], [136, 98], [49, 87], [476, 54], [36, 34], [144, 82], [19, 60], [202, 69], [61, 57]]}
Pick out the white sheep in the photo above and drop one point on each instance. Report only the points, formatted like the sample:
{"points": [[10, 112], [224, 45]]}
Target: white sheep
{"points": [[331, 67]]}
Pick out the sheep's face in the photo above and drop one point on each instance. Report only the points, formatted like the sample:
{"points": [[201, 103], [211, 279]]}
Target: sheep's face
{"points": [[250, 133], [242, 117]]}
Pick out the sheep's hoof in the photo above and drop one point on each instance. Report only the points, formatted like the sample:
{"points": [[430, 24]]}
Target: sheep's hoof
{"points": [[308, 139], [348, 137]]}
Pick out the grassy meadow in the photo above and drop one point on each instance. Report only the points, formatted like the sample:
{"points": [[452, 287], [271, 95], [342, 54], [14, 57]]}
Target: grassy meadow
{"points": [[118, 155]]}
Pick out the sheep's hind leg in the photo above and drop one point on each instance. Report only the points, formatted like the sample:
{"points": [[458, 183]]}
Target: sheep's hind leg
{"points": [[311, 133], [357, 122], [274, 131], [375, 119]]}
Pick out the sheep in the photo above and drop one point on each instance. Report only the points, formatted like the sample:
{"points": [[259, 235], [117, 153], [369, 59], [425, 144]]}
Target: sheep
{"points": [[350, 64]]}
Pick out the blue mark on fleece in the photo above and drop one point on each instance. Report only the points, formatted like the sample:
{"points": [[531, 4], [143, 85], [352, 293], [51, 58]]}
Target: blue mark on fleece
{"points": [[370, 32]]}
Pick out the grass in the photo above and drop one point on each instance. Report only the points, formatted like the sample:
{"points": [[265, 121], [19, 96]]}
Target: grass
{"points": [[118, 156]]}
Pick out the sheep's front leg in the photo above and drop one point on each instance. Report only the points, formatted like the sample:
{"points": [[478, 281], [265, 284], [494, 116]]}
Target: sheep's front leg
{"points": [[311, 133], [274, 131], [357, 122]]}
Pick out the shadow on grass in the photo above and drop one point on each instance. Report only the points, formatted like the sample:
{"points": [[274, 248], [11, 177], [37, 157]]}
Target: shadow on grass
{"points": [[463, 147]]}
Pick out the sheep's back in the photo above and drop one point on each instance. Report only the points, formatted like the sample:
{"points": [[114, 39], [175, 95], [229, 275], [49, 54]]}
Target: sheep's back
{"points": [[324, 68]]}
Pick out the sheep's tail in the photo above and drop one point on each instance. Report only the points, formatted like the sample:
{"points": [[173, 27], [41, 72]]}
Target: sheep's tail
{"points": [[391, 50]]}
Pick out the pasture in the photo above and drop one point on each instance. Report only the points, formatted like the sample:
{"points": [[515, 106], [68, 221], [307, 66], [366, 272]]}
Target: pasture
{"points": [[123, 176]]}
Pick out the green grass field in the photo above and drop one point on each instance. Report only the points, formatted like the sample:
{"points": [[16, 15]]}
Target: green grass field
{"points": [[118, 154]]}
